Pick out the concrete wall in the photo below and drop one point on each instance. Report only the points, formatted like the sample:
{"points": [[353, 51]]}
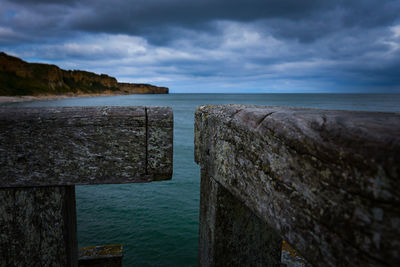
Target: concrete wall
{"points": [[326, 181]]}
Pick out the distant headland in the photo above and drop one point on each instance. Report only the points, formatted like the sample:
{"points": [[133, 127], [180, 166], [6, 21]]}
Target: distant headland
{"points": [[20, 78]]}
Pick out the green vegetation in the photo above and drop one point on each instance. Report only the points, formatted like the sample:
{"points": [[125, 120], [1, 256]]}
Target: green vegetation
{"points": [[12, 84], [18, 78]]}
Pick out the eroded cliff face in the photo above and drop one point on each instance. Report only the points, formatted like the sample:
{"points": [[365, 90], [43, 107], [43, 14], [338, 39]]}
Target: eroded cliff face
{"points": [[18, 77], [140, 88]]}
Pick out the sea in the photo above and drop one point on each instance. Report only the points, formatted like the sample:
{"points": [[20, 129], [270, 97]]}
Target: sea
{"points": [[157, 223]]}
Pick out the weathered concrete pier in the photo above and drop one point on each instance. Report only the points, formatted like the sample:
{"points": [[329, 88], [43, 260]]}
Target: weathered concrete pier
{"points": [[45, 152], [327, 182]]}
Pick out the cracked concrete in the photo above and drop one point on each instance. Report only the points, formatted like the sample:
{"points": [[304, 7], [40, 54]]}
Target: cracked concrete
{"points": [[318, 177]]}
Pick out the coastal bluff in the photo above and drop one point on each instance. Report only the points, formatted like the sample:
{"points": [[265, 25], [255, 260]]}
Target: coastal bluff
{"points": [[19, 78]]}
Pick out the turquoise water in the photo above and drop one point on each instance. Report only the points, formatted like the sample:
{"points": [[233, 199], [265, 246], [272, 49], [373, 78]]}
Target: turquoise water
{"points": [[158, 222]]}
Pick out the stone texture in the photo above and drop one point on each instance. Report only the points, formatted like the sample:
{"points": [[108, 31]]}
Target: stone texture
{"points": [[326, 181], [159, 143], [85, 145], [230, 233], [44, 147], [35, 224]]}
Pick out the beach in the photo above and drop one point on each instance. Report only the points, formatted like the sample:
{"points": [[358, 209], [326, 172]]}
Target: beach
{"points": [[25, 98]]}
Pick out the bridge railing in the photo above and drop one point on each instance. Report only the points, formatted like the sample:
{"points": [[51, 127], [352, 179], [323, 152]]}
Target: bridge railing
{"points": [[327, 182], [45, 152]]}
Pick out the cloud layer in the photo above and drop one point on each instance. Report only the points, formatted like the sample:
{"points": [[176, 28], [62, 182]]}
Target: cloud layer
{"points": [[215, 46]]}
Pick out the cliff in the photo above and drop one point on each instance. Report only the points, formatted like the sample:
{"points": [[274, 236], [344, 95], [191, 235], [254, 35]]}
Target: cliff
{"points": [[18, 77]]}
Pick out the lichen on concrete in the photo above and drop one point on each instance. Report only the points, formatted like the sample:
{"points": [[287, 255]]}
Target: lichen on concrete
{"points": [[88, 252], [160, 142], [44, 152], [326, 181], [101, 256], [85, 145]]}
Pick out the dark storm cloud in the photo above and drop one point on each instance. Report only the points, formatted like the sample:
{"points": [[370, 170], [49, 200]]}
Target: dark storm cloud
{"points": [[139, 16], [344, 42], [305, 20]]}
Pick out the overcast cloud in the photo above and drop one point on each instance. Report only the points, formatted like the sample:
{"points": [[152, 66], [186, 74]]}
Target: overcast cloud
{"points": [[215, 45]]}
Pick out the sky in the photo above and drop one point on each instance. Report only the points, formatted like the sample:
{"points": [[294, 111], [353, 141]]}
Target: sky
{"points": [[215, 46]]}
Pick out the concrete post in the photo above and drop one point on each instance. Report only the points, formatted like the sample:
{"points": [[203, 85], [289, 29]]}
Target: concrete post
{"points": [[229, 232], [45, 152], [327, 181], [38, 226]]}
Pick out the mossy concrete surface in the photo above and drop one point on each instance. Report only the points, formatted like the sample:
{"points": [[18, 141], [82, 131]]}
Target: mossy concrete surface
{"points": [[101, 256]]}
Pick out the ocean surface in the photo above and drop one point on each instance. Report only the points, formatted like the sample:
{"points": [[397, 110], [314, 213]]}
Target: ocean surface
{"points": [[158, 222]]}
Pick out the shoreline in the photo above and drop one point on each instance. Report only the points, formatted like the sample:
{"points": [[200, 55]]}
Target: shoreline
{"points": [[26, 98]]}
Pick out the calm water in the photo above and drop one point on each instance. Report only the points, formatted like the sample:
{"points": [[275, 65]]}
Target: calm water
{"points": [[158, 222]]}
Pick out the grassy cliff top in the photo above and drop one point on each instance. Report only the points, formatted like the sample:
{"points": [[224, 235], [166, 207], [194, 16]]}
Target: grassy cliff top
{"points": [[18, 77]]}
